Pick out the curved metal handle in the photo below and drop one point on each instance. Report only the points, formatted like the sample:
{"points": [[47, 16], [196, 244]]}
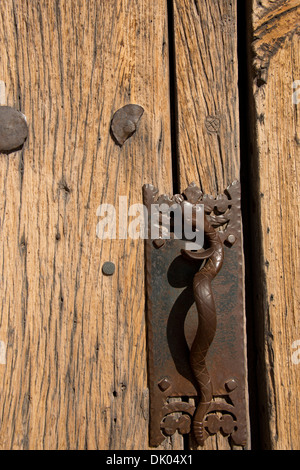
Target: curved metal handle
{"points": [[207, 323]]}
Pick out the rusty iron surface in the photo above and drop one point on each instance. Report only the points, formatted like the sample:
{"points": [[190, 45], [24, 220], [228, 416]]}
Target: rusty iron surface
{"points": [[195, 332]]}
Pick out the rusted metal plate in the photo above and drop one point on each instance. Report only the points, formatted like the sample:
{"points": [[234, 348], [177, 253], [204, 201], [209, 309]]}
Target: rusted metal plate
{"points": [[174, 325]]}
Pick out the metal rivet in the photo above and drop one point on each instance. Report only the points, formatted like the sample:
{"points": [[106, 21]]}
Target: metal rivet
{"points": [[124, 122], [164, 384], [231, 385], [13, 129], [231, 239], [108, 268], [159, 243]]}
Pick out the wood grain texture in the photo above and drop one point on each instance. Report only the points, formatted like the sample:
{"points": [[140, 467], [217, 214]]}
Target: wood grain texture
{"points": [[208, 105], [206, 79], [75, 373], [275, 189]]}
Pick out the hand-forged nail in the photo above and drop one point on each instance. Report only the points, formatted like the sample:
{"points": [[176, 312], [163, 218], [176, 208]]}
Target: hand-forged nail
{"points": [[13, 129], [124, 122]]}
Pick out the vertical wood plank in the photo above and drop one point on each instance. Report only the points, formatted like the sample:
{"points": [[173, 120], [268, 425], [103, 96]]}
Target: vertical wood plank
{"points": [[206, 83], [75, 373], [207, 102], [275, 139]]}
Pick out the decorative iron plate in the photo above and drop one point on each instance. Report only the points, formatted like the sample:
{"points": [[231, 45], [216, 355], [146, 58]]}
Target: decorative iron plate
{"points": [[179, 323]]}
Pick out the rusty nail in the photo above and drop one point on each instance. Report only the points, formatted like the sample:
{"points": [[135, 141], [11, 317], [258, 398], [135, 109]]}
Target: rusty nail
{"points": [[13, 129], [164, 384], [231, 239], [231, 385], [108, 268], [124, 122], [159, 243]]}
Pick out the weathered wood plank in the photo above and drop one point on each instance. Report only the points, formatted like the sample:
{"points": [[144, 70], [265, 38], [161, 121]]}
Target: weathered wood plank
{"points": [[75, 372], [208, 107], [206, 79], [275, 139]]}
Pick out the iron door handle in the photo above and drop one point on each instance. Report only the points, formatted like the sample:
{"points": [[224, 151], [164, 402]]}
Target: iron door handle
{"points": [[207, 322]]}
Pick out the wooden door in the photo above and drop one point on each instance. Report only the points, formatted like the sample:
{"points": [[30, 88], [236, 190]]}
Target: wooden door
{"points": [[73, 366]]}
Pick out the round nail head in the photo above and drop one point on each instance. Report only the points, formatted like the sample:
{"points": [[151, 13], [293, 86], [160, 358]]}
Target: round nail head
{"points": [[231, 239], [13, 129], [108, 268], [124, 122]]}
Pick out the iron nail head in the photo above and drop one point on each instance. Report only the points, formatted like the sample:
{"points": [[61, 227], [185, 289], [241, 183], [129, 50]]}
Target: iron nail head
{"points": [[231, 385], [108, 268], [231, 239], [164, 384]]}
